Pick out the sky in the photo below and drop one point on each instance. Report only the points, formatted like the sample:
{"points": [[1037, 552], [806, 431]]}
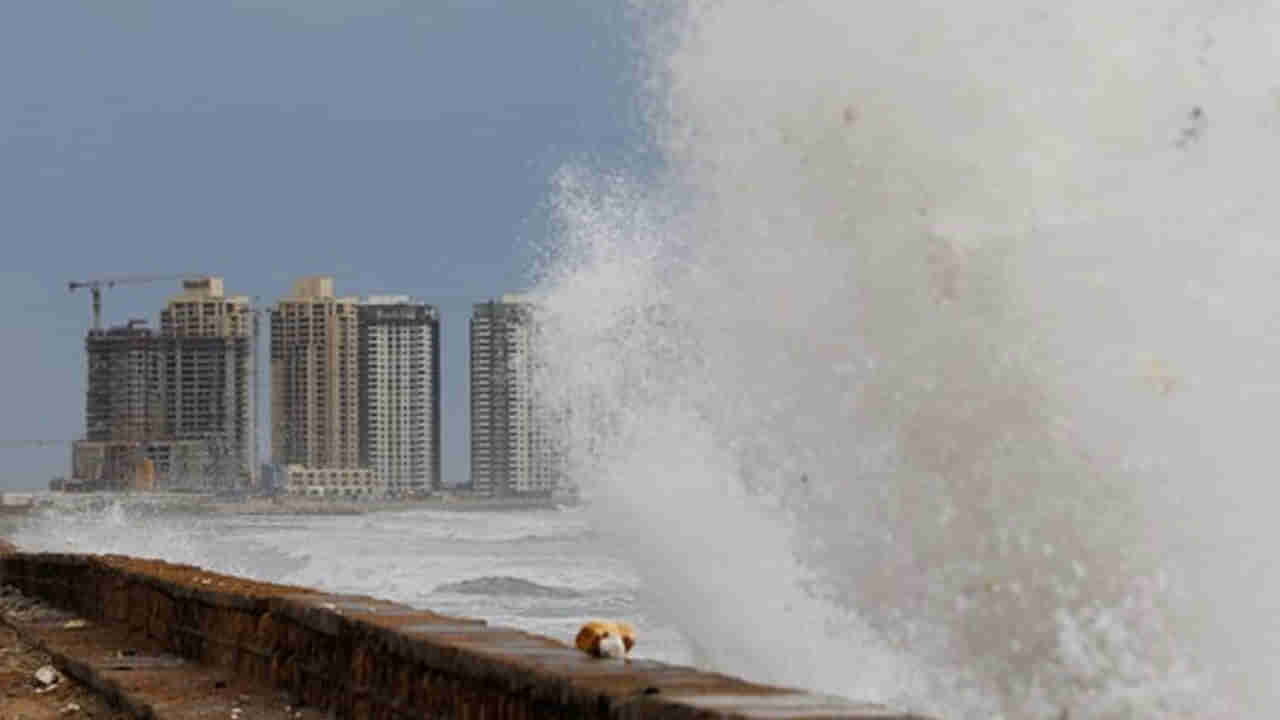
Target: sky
{"points": [[399, 146]]}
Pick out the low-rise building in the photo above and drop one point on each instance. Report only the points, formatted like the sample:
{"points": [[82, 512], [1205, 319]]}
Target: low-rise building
{"points": [[333, 483], [139, 465]]}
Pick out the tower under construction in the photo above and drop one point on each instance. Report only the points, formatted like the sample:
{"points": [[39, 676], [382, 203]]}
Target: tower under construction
{"points": [[208, 375], [172, 409]]}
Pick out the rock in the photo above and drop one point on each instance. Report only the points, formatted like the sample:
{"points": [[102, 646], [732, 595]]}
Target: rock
{"points": [[506, 585], [46, 675], [74, 624], [71, 708]]}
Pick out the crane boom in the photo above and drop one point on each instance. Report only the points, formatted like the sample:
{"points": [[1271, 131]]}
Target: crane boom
{"points": [[95, 287], [21, 444]]}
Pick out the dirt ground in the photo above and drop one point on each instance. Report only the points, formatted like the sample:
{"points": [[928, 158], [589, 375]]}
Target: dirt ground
{"points": [[19, 696], [19, 699]]}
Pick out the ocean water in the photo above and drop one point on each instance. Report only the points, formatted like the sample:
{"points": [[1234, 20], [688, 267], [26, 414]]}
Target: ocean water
{"points": [[545, 571]]}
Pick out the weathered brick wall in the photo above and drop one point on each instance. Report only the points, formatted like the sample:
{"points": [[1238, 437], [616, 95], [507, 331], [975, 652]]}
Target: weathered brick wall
{"points": [[363, 658]]}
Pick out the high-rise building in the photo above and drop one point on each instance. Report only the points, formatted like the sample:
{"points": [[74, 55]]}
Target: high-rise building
{"points": [[210, 377], [315, 380], [512, 438], [124, 400], [173, 408], [400, 393], [204, 310], [124, 409]]}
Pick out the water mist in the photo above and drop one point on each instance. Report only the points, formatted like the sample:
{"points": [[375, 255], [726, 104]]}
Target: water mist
{"points": [[936, 366]]}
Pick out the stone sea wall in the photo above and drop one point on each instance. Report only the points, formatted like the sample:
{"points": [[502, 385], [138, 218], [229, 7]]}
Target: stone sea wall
{"points": [[363, 658]]}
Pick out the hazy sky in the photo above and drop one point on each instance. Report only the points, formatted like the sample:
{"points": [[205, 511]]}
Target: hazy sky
{"points": [[399, 146]]}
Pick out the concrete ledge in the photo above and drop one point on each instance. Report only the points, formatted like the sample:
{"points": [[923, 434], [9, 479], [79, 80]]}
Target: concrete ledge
{"points": [[364, 658]]}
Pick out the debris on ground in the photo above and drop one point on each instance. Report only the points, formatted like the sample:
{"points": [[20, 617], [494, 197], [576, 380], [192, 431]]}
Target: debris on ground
{"points": [[23, 694], [46, 675]]}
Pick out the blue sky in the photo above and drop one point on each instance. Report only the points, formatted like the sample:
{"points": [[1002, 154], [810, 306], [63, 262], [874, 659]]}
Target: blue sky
{"points": [[399, 146]]}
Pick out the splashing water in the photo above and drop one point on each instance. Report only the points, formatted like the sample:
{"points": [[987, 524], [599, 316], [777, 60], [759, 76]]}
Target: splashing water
{"points": [[142, 527], [936, 366]]}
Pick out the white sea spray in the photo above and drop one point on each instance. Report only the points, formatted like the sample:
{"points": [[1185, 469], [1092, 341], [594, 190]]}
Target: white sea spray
{"points": [[936, 366]]}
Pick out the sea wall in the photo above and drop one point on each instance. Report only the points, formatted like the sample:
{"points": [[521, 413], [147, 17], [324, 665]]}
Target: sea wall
{"points": [[363, 658]]}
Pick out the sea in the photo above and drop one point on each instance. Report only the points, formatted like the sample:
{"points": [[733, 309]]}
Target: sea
{"points": [[544, 571]]}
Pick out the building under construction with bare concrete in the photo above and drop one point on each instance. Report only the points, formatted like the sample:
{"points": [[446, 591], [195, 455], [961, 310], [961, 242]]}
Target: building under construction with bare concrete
{"points": [[124, 408], [172, 409], [209, 379], [124, 398]]}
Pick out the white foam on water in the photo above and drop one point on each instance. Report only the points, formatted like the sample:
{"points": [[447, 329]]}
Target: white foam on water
{"points": [[399, 556]]}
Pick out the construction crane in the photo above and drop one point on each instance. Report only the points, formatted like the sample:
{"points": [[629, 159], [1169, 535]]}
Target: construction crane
{"points": [[23, 444], [95, 287]]}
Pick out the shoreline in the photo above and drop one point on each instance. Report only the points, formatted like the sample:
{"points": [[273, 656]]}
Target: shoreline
{"points": [[299, 506], [267, 506]]}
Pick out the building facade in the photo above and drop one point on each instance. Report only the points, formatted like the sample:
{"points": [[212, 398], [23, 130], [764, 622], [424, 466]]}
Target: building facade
{"points": [[399, 373], [125, 410], [138, 465], [333, 483], [210, 379], [315, 388], [172, 409], [513, 443], [124, 400], [205, 310]]}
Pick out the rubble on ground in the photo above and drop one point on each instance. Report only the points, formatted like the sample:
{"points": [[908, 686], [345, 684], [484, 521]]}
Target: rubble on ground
{"points": [[30, 687]]}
